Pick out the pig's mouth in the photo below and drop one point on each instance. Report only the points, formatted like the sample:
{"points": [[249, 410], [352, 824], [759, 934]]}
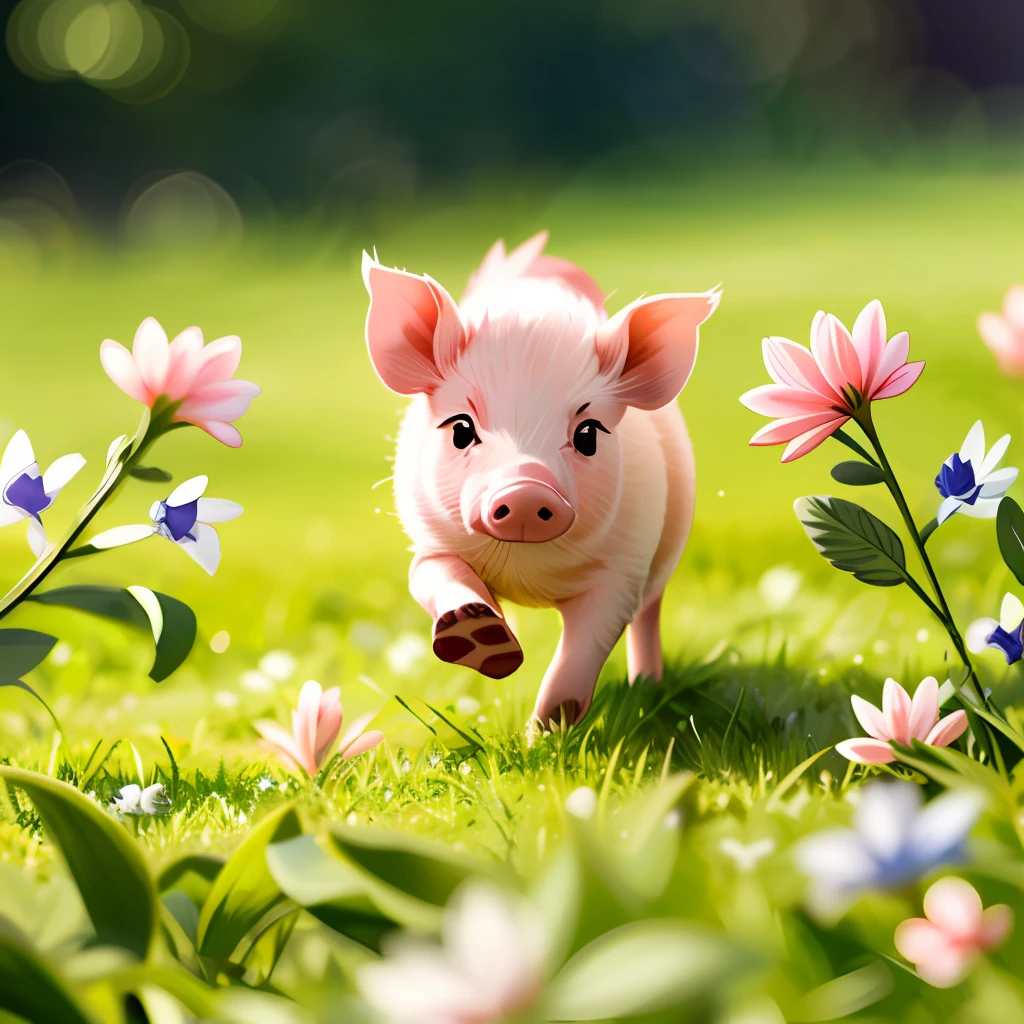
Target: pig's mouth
{"points": [[525, 511]]}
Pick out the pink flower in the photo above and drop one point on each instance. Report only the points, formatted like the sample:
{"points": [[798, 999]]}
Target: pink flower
{"points": [[316, 723], [186, 371], [1004, 334], [817, 391], [901, 720], [947, 942]]}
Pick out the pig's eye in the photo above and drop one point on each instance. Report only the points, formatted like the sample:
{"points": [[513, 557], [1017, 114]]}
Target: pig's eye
{"points": [[584, 437], [463, 431]]}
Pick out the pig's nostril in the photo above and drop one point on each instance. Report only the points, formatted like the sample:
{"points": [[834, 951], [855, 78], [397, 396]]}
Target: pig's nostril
{"points": [[501, 511], [545, 513]]}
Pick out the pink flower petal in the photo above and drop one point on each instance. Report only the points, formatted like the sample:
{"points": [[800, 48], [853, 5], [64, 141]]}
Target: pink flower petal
{"points": [[999, 336], [280, 741], [948, 729], [894, 356], [833, 351], [356, 728], [304, 720], [954, 906], [917, 939], [219, 361], [328, 724], [117, 361], [184, 358], [792, 364], [897, 383], [223, 432], [869, 338], [151, 355], [866, 751], [228, 401], [1013, 307], [801, 445], [996, 923], [368, 740], [896, 707], [870, 718], [779, 400], [786, 429], [948, 968], [924, 708]]}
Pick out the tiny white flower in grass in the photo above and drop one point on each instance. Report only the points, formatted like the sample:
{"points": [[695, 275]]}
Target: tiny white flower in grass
{"points": [[406, 653], [467, 705], [969, 481], [582, 803], [778, 586], [264, 784], [135, 800], [491, 965], [746, 856], [279, 665], [183, 518], [26, 493], [257, 682], [226, 699]]}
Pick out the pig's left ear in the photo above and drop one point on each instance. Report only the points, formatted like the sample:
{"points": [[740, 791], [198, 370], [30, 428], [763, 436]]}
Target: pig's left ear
{"points": [[651, 346], [413, 328]]}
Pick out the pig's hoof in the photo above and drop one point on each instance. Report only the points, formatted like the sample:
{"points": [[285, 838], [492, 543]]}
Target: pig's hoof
{"points": [[476, 636]]}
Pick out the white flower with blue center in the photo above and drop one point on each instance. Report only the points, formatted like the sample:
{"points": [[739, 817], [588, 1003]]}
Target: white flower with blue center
{"points": [[1004, 634], [183, 518], [26, 492], [134, 799], [969, 481]]}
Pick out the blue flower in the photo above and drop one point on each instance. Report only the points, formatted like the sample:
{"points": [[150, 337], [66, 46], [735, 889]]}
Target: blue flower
{"points": [[1005, 634], [969, 481]]}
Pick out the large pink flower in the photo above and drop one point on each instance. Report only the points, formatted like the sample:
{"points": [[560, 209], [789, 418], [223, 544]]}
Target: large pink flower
{"points": [[1004, 334], [900, 721], [817, 391], [947, 942], [316, 723], [186, 370]]}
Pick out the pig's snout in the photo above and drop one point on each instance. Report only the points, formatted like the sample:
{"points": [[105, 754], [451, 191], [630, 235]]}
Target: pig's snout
{"points": [[527, 510]]}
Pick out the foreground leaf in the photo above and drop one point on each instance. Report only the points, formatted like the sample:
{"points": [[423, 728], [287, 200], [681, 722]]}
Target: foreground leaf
{"points": [[21, 650], [109, 869], [151, 474], [171, 622], [1010, 534], [244, 889], [853, 540], [30, 991], [641, 968], [857, 474]]}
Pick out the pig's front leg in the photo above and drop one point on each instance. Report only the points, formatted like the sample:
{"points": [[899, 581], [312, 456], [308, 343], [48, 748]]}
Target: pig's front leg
{"points": [[469, 629], [591, 626]]}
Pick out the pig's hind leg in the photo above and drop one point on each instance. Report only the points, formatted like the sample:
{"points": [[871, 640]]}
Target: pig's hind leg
{"points": [[469, 629], [643, 642]]}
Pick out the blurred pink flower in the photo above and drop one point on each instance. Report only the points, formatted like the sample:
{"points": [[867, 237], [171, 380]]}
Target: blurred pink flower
{"points": [[817, 391], [1004, 334], [947, 942], [316, 723], [901, 720], [187, 371]]}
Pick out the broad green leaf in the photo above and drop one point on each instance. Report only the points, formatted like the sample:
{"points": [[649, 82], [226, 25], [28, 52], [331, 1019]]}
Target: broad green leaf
{"points": [[21, 650], [1010, 534], [30, 991], [244, 890], [857, 474], [420, 868], [640, 968], [105, 862], [151, 474], [333, 891], [171, 623], [853, 540]]}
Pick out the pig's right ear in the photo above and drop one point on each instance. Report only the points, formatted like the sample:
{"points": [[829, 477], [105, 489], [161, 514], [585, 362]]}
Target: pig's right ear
{"points": [[413, 328]]}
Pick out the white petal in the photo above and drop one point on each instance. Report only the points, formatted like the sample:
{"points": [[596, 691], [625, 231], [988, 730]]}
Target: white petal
{"points": [[17, 457], [37, 537], [129, 798], [205, 549], [120, 535], [188, 491], [835, 858], [999, 482], [10, 514], [997, 451], [885, 816], [218, 510], [977, 634], [152, 799], [114, 445], [983, 508], [947, 690], [944, 824], [1011, 612], [973, 448], [60, 472], [947, 508]]}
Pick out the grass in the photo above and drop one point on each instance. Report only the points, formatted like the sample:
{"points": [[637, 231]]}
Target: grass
{"points": [[766, 642]]}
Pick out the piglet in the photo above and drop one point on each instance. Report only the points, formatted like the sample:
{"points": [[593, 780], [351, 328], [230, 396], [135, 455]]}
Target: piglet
{"points": [[542, 460]]}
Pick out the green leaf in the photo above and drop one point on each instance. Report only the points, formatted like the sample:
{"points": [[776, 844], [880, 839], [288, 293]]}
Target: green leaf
{"points": [[106, 864], [244, 890], [151, 474], [21, 650], [641, 968], [853, 540], [1010, 534], [857, 474], [30, 991], [172, 623]]}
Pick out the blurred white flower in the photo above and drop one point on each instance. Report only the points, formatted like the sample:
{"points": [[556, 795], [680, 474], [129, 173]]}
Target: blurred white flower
{"points": [[226, 699], [582, 803], [467, 705], [278, 665], [135, 800], [256, 682], [265, 783], [61, 654], [406, 653], [368, 636], [746, 856], [778, 586], [490, 967]]}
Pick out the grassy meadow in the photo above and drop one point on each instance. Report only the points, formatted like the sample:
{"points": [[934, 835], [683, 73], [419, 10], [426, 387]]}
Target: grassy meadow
{"points": [[766, 642]]}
